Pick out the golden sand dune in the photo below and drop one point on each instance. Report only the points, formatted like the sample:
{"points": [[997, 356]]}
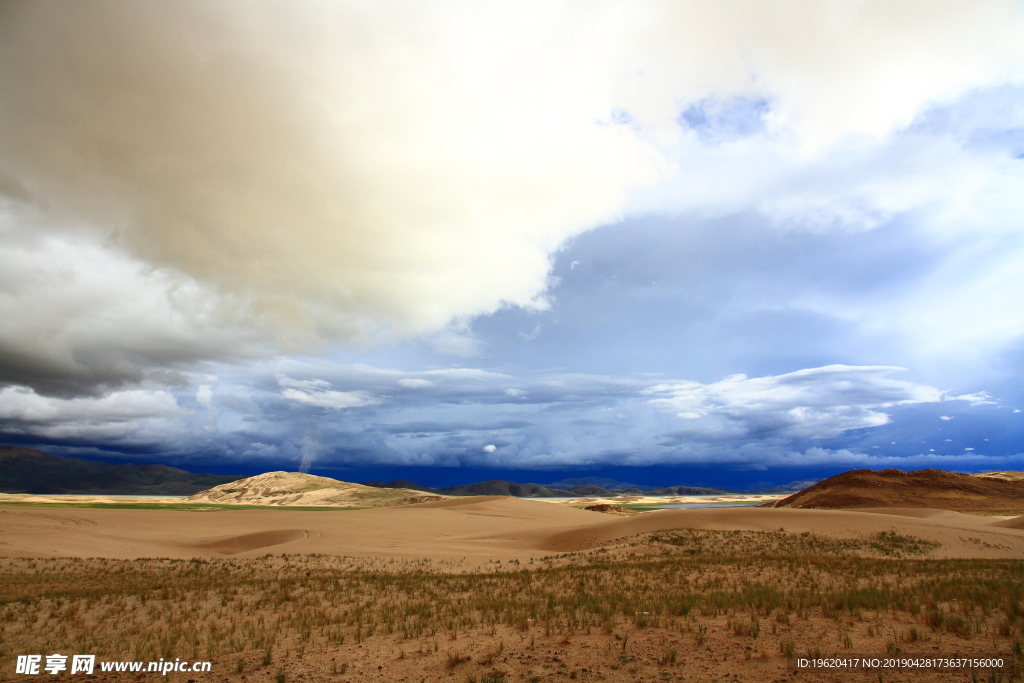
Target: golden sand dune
{"points": [[299, 489], [477, 528]]}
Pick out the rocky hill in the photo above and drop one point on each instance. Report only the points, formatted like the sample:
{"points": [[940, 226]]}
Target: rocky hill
{"points": [[921, 489], [26, 470], [296, 488]]}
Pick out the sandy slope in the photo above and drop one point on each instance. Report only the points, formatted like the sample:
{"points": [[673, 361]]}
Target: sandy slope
{"points": [[300, 489], [478, 529]]}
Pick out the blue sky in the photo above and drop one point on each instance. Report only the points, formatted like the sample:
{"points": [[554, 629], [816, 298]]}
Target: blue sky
{"points": [[733, 244]]}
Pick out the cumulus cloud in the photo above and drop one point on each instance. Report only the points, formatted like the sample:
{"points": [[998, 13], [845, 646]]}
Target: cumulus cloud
{"points": [[121, 417], [350, 172], [317, 393], [193, 186], [812, 403], [336, 172], [78, 315], [204, 396], [466, 418], [980, 398]]}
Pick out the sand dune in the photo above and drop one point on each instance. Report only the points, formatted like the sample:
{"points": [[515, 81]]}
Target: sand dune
{"points": [[300, 489], [234, 544], [479, 529]]}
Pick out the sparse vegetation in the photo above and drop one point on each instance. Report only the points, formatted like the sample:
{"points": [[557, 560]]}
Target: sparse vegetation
{"points": [[718, 587]]}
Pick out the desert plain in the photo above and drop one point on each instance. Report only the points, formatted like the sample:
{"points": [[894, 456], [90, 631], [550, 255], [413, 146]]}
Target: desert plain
{"points": [[489, 589]]}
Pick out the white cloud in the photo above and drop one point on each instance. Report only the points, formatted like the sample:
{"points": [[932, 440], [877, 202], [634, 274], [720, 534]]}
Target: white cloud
{"points": [[490, 448], [414, 383], [204, 396], [813, 403], [261, 451], [333, 172], [77, 314], [317, 393], [332, 399], [120, 416], [980, 398], [945, 417]]}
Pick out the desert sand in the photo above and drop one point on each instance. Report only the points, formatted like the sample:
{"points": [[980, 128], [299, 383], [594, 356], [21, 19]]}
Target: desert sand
{"points": [[724, 499], [499, 589], [479, 529]]}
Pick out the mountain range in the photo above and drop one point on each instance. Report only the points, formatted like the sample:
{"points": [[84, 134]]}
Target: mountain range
{"points": [[500, 487], [26, 470]]}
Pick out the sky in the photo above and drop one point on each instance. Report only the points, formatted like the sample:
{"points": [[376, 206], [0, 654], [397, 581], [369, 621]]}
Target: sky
{"points": [[730, 243]]}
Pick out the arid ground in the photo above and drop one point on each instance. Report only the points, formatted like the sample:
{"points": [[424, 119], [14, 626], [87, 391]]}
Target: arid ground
{"points": [[503, 589]]}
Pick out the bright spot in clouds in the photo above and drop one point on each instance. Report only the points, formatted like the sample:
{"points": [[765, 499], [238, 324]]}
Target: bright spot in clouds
{"points": [[415, 383]]}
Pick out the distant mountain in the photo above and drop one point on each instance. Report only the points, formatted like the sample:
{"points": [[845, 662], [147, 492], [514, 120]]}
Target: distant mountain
{"points": [[500, 487], [599, 482], [599, 486], [399, 484], [494, 487], [591, 490], [687, 491], [26, 470]]}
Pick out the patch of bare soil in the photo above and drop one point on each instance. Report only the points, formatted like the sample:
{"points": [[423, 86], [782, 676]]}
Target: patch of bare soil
{"points": [[934, 489], [672, 605]]}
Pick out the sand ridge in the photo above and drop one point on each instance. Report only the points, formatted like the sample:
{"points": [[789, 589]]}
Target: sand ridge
{"points": [[477, 529]]}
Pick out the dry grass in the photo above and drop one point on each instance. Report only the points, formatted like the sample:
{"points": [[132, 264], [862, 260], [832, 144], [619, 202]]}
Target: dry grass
{"points": [[650, 604]]}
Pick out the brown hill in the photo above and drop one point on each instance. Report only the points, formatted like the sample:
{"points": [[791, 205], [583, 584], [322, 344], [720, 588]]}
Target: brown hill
{"points": [[921, 489]]}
